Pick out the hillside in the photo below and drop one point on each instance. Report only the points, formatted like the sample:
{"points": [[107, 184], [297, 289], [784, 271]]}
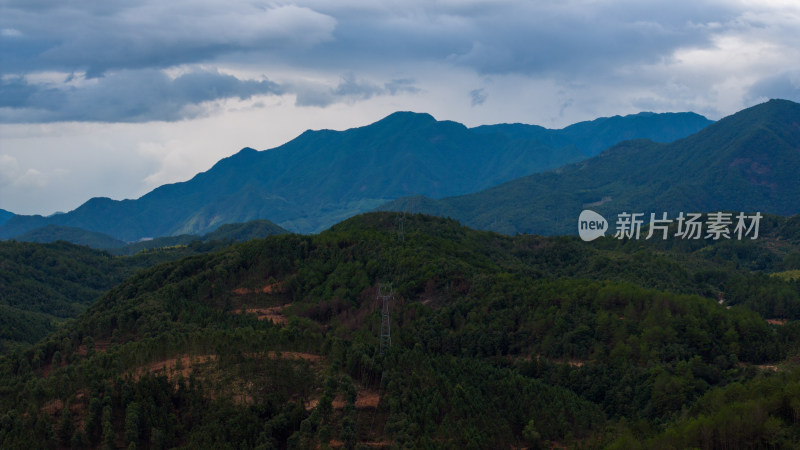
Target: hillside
{"points": [[514, 341], [232, 232], [225, 234], [44, 285], [241, 232], [77, 236], [745, 162], [403, 154]]}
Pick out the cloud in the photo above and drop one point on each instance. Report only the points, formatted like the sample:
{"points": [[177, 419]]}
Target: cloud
{"points": [[487, 36], [400, 86], [503, 37], [785, 85], [8, 169], [127, 96], [576, 38], [350, 89], [356, 89], [11, 175], [478, 96], [95, 37], [603, 43]]}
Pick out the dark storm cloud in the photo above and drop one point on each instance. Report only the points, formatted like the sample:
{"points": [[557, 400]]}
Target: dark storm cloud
{"points": [[127, 96], [543, 37], [491, 37], [97, 36], [588, 42]]}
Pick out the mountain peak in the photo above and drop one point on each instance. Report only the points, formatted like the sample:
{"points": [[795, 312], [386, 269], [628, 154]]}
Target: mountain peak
{"points": [[772, 108], [754, 123], [775, 110], [407, 117]]}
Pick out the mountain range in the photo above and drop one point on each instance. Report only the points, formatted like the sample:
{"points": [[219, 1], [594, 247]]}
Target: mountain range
{"points": [[747, 162], [322, 177]]}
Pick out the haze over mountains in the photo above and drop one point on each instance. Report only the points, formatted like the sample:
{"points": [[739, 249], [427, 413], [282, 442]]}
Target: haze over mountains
{"points": [[322, 177], [749, 161]]}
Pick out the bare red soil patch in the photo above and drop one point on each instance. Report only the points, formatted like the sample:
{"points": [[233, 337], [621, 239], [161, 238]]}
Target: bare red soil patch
{"points": [[170, 366], [364, 399], [571, 362], [295, 355], [100, 346], [777, 321], [367, 399], [77, 407], [268, 289], [335, 443], [53, 407], [762, 367], [273, 313]]}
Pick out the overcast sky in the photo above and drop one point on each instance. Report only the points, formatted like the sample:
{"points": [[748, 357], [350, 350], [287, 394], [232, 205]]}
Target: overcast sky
{"points": [[114, 98]]}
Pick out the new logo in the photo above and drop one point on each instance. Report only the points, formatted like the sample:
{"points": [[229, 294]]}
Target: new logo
{"points": [[591, 225]]}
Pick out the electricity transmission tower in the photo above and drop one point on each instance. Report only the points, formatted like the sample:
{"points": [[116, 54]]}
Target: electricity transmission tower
{"points": [[400, 226], [386, 333]]}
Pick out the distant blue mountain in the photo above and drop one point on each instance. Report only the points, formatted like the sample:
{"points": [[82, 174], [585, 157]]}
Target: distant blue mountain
{"points": [[592, 137], [323, 177], [5, 215], [746, 162]]}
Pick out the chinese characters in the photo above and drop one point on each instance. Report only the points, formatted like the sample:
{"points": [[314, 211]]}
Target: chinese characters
{"points": [[689, 226]]}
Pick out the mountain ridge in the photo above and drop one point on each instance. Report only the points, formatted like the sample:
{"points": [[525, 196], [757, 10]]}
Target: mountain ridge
{"points": [[324, 176], [237, 232], [745, 162]]}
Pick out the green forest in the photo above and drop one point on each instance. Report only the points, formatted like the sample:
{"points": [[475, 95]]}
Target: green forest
{"points": [[496, 341]]}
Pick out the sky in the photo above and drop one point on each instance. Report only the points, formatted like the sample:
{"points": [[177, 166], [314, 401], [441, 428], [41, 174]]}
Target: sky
{"points": [[112, 99]]}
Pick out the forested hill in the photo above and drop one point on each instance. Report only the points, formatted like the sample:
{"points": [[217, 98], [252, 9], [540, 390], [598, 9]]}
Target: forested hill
{"points": [[44, 285], [323, 177], [232, 232], [496, 341], [78, 236], [749, 161]]}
